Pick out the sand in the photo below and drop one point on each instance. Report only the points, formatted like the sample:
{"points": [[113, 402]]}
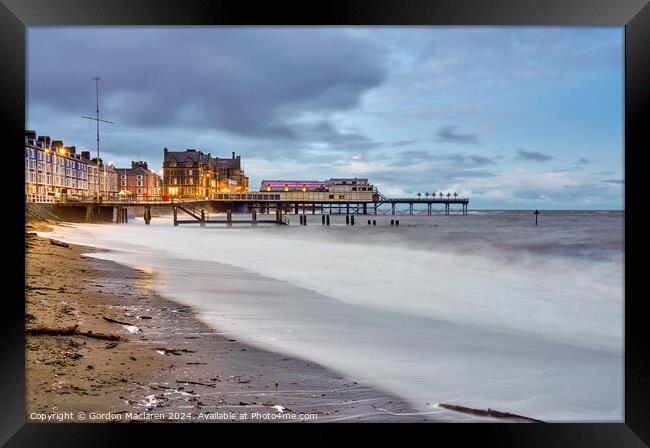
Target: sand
{"points": [[169, 366]]}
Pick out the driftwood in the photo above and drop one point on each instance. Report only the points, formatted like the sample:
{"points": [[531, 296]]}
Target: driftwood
{"points": [[174, 351], [53, 331], [105, 337], [196, 382], [72, 331], [486, 412], [108, 319], [58, 243]]}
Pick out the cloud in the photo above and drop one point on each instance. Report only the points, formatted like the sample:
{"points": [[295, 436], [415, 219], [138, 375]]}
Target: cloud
{"points": [[533, 156], [413, 157], [250, 82], [448, 134]]}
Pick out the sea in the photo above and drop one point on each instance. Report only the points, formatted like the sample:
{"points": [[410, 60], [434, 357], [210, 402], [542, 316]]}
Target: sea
{"points": [[486, 310]]}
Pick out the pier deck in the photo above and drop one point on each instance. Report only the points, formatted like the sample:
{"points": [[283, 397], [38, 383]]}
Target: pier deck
{"points": [[262, 203]]}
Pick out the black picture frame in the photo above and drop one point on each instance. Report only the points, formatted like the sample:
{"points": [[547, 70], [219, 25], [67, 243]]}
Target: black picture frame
{"points": [[16, 15]]}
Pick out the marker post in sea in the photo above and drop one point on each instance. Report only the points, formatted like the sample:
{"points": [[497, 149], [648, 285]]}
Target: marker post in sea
{"points": [[536, 213]]}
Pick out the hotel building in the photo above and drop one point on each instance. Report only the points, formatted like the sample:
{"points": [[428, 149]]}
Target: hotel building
{"points": [[193, 174]]}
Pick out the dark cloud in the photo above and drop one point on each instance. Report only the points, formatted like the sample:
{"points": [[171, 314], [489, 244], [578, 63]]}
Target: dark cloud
{"points": [[533, 156], [614, 181], [448, 134], [584, 161], [249, 82]]}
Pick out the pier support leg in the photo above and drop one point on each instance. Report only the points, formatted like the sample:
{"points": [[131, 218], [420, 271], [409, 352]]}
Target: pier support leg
{"points": [[175, 216], [202, 218], [411, 208], [313, 209], [254, 217], [392, 208], [147, 215], [347, 209], [375, 208], [229, 218], [327, 220], [126, 214], [429, 208], [365, 209]]}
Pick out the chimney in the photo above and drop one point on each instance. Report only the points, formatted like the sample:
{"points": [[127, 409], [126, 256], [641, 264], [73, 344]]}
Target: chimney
{"points": [[233, 154], [71, 149], [85, 155], [45, 140], [30, 136]]}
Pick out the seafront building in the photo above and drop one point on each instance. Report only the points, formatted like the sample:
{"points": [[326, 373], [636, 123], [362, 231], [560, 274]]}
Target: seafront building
{"points": [[55, 172], [340, 189], [193, 174], [139, 182]]}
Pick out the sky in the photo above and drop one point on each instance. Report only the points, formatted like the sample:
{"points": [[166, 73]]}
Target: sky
{"points": [[511, 117]]}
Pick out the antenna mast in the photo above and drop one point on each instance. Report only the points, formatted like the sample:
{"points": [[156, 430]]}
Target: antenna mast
{"points": [[97, 120]]}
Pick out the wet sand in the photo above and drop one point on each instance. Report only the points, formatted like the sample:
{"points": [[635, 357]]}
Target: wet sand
{"points": [[168, 365]]}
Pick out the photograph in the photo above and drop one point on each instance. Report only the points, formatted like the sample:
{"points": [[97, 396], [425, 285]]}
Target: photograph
{"points": [[361, 215], [301, 224]]}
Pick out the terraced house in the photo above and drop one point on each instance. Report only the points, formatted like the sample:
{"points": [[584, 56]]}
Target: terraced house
{"points": [[194, 174], [54, 171]]}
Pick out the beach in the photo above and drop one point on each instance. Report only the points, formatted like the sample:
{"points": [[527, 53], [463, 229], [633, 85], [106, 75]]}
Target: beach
{"points": [[166, 365], [475, 318]]}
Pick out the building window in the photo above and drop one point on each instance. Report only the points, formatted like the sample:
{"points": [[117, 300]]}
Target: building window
{"points": [[341, 196], [331, 196]]}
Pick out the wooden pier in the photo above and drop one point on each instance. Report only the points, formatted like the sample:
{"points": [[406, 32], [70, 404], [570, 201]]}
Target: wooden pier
{"points": [[196, 210]]}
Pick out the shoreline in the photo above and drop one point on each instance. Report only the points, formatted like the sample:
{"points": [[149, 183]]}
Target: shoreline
{"points": [[167, 362]]}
